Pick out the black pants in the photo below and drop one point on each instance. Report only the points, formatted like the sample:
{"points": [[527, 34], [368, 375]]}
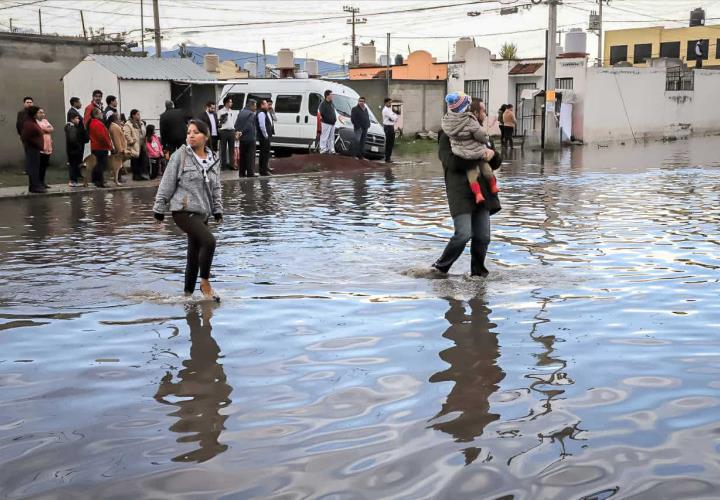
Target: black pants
{"points": [[227, 145], [264, 157], [214, 140], [507, 135], [247, 158], [156, 165], [32, 167], [74, 161], [140, 166], [201, 247], [389, 141], [44, 161], [98, 173]]}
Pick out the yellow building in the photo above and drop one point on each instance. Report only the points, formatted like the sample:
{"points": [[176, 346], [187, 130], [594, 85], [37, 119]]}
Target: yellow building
{"points": [[639, 44]]}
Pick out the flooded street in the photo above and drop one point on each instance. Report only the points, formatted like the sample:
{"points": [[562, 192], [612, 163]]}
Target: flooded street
{"points": [[586, 366]]}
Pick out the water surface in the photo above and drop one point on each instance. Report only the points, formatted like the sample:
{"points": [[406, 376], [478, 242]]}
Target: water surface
{"points": [[586, 366]]}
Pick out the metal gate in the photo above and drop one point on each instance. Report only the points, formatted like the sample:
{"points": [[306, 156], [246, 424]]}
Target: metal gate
{"points": [[519, 87]]}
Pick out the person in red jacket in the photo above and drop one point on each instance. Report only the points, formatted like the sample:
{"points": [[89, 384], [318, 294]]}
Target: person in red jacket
{"points": [[32, 138], [101, 145]]}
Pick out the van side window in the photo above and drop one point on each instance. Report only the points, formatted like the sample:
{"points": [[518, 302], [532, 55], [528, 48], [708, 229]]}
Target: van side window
{"points": [[314, 103], [259, 97], [288, 103], [238, 100]]}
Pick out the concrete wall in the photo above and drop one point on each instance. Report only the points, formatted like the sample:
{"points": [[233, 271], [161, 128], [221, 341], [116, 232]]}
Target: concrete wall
{"points": [[621, 102], [423, 101], [33, 65]]}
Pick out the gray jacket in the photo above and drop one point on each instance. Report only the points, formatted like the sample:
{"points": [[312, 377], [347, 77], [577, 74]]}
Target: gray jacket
{"points": [[185, 187], [245, 124], [467, 137]]}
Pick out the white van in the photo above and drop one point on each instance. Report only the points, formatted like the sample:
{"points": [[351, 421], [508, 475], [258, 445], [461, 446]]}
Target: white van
{"points": [[296, 102]]}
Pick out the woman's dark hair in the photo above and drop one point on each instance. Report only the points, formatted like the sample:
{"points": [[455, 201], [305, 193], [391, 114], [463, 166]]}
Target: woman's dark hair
{"points": [[503, 107], [133, 112], [226, 99], [509, 106], [150, 131], [32, 111], [114, 117], [475, 107], [201, 126]]}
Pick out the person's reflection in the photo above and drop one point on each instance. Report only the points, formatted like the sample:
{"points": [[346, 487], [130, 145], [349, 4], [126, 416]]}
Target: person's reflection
{"points": [[201, 391], [474, 370]]}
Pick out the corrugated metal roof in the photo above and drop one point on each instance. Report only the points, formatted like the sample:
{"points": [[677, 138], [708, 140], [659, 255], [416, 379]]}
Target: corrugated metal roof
{"points": [[151, 68]]}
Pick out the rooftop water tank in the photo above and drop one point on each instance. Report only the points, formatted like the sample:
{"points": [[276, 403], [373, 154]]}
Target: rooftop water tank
{"points": [[367, 54], [697, 17], [383, 60], [285, 59], [211, 63], [461, 47], [576, 41], [311, 67], [399, 59]]}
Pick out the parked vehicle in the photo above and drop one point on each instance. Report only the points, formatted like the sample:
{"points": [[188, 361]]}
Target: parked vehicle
{"points": [[296, 101]]}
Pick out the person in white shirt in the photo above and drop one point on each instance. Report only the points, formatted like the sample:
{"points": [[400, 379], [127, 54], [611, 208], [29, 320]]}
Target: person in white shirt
{"points": [[389, 118], [226, 118], [699, 56], [211, 120]]}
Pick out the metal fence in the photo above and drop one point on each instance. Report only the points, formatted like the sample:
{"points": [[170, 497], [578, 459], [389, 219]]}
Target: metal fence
{"points": [[679, 79]]}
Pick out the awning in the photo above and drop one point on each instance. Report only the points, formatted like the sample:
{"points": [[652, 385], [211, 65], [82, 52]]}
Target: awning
{"points": [[525, 69]]}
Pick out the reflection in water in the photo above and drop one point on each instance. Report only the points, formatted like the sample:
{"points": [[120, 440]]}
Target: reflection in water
{"points": [[204, 390], [473, 368]]}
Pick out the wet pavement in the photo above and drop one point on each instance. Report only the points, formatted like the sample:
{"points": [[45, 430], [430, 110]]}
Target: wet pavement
{"points": [[586, 366]]}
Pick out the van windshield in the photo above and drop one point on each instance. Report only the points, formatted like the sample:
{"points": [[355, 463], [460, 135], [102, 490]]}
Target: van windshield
{"points": [[344, 105]]}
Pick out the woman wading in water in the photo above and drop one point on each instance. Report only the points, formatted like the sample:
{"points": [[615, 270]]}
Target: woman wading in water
{"points": [[191, 190]]}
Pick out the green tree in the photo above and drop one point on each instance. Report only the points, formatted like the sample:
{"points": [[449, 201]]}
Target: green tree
{"points": [[508, 51]]}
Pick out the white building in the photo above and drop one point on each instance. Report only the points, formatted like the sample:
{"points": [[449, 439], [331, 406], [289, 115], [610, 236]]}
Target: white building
{"points": [[502, 81], [141, 83]]}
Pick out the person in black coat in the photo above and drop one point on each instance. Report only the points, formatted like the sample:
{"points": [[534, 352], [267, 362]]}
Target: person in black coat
{"points": [[76, 137], [22, 114], [246, 132], [471, 220], [173, 128], [361, 123]]}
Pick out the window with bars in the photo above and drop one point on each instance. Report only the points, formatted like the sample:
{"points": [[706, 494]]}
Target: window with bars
{"points": [[679, 79], [563, 83], [478, 89]]}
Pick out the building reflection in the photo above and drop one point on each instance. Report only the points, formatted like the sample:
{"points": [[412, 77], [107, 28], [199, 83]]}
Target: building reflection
{"points": [[474, 370], [200, 391]]}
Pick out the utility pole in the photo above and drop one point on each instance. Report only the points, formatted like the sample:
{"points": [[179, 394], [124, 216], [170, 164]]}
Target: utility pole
{"points": [[552, 138], [600, 47], [11, 27], [264, 71], [156, 17], [387, 69], [40, 19], [82, 21], [353, 21], [142, 27]]}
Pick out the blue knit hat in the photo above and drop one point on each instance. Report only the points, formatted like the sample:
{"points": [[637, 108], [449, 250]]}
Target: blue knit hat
{"points": [[457, 102]]}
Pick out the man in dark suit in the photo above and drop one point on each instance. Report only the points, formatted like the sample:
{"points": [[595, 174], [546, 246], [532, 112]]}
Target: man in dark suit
{"points": [[361, 123], [210, 118], [266, 130], [173, 128]]}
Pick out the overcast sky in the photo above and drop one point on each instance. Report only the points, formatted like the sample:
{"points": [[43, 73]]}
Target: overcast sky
{"points": [[225, 23]]}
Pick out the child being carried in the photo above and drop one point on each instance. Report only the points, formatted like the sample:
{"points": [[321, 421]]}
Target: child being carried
{"points": [[468, 141]]}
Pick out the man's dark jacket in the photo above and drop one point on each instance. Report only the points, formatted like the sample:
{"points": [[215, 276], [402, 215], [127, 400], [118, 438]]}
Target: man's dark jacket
{"points": [[245, 124], [173, 128], [328, 114], [360, 118]]}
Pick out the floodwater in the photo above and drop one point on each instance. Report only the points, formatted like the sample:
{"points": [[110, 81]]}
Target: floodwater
{"points": [[587, 365]]}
